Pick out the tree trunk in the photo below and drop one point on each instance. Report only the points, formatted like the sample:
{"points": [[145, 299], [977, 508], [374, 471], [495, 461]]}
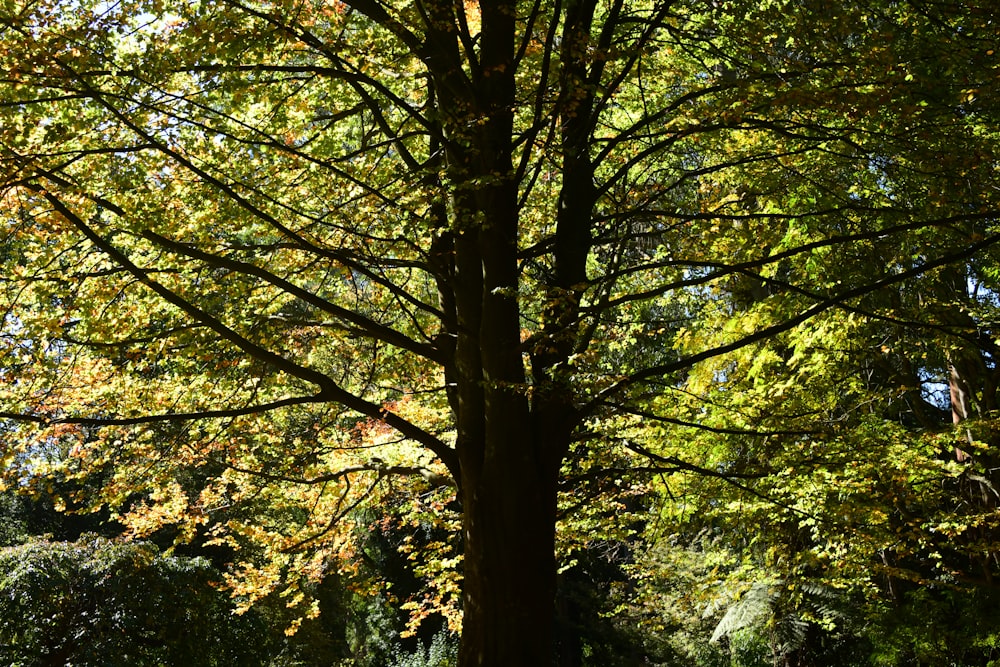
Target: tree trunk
{"points": [[510, 437], [509, 461], [960, 396], [510, 570]]}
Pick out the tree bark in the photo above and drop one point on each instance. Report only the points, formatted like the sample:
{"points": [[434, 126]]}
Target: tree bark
{"points": [[510, 439], [510, 569], [960, 395]]}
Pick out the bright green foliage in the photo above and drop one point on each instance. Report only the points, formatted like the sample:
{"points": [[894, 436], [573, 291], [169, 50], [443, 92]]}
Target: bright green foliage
{"points": [[442, 652], [827, 450], [834, 440]]}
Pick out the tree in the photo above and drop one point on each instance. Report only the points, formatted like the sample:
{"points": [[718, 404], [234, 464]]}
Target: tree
{"points": [[95, 602], [493, 239]]}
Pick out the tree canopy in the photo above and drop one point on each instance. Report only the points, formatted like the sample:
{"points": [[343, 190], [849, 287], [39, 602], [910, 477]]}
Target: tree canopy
{"points": [[268, 262]]}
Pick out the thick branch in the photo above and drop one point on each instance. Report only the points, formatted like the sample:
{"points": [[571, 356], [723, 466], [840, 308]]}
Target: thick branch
{"points": [[329, 390], [370, 327]]}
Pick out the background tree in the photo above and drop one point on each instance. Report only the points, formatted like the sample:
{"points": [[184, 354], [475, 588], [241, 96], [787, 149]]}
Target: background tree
{"points": [[96, 602]]}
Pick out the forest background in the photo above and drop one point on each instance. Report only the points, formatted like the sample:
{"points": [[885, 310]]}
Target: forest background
{"points": [[518, 332]]}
